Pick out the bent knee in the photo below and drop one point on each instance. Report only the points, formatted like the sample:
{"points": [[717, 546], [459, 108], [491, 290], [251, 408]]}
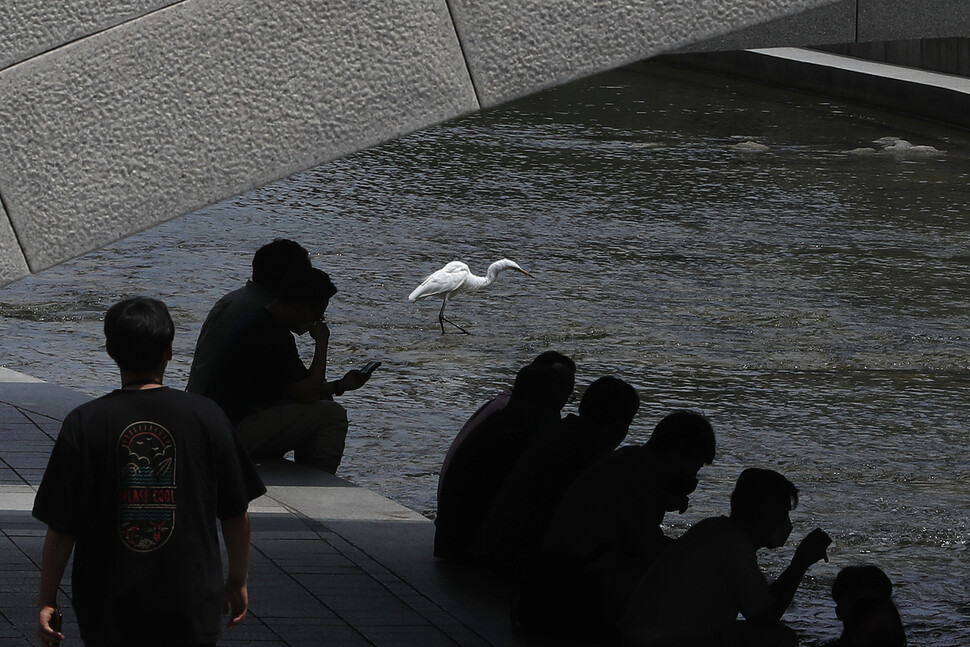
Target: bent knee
{"points": [[329, 409]]}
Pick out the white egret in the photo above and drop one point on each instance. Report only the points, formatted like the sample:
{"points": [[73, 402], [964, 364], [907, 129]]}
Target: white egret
{"points": [[455, 277]]}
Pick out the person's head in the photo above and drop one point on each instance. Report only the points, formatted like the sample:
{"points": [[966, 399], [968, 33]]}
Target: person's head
{"points": [[761, 503], [138, 334], [856, 583], [304, 300], [686, 441], [279, 264], [538, 392], [873, 622], [564, 371], [552, 357], [610, 404]]}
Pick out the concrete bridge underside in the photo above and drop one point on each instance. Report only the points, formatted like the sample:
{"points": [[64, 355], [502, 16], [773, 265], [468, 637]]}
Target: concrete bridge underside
{"points": [[117, 115]]}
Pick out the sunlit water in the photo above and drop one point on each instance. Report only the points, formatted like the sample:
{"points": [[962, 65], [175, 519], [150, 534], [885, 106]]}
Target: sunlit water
{"points": [[814, 303]]}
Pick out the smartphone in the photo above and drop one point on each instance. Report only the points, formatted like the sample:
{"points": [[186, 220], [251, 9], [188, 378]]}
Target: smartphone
{"points": [[56, 622], [370, 367]]}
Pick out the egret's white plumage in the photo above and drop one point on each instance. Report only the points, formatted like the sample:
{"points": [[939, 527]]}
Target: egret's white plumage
{"points": [[455, 277]]}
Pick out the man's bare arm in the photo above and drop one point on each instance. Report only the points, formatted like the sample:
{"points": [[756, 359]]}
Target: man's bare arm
{"points": [[58, 547], [235, 533]]}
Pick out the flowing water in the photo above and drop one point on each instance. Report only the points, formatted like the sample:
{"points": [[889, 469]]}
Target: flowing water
{"points": [[812, 301]]}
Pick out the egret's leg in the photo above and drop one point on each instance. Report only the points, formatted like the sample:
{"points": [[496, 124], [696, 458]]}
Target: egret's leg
{"points": [[455, 325], [442, 319]]}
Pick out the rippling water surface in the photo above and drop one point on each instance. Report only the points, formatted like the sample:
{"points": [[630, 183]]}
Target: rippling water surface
{"points": [[813, 302]]}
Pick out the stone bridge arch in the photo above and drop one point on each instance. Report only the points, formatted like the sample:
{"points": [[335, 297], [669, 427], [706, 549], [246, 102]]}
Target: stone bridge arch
{"points": [[117, 115]]}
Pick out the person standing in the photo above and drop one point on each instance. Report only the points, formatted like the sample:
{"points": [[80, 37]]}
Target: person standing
{"points": [[134, 487]]}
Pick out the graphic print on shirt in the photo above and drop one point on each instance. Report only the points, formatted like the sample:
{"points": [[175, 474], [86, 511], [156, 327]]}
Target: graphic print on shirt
{"points": [[146, 504]]}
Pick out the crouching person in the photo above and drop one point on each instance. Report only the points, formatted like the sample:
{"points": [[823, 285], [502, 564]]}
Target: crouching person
{"points": [[693, 593]]}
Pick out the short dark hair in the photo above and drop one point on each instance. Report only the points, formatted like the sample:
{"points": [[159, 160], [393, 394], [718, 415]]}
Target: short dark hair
{"points": [[279, 263], [685, 431], [610, 400], [138, 332], [313, 288], [541, 387], [550, 357], [862, 581], [762, 495]]}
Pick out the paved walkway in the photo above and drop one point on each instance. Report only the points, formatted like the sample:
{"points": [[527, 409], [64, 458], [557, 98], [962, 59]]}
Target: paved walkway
{"points": [[332, 564]]}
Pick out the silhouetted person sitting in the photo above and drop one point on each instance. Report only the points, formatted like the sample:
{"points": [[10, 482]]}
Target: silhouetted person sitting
{"points": [[276, 402], [485, 458], [276, 267], [564, 367], [511, 534], [863, 602], [872, 622], [692, 595], [606, 531]]}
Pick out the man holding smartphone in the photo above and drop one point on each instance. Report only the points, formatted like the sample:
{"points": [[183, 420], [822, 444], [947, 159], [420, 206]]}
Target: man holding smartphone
{"points": [[277, 403]]}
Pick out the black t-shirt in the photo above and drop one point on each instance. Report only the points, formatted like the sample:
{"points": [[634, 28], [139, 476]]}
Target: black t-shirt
{"points": [[256, 362], [139, 478]]}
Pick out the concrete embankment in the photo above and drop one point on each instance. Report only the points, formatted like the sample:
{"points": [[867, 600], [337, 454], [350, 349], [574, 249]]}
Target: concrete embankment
{"points": [[331, 563]]}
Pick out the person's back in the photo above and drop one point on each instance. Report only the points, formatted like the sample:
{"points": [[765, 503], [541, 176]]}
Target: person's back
{"points": [[484, 460], [553, 460], [218, 327], [616, 506], [142, 504], [136, 484], [873, 622], [565, 370], [275, 266], [699, 582]]}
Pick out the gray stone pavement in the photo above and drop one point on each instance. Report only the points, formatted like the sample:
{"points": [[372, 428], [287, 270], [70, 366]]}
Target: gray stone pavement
{"points": [[331, 563]]}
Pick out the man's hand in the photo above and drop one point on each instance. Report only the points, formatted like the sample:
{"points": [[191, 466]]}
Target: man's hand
{"points": [[354, 380], [48, 635], [812, 548], [320, 331], [236, 603]]}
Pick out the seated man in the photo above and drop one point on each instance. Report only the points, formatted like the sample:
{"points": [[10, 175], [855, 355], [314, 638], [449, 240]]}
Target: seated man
{"points": [[693, 593], [275, 401], [863, 602], [563, 366], [606, 531], [514, 529], [275, 266], [487, 455]]}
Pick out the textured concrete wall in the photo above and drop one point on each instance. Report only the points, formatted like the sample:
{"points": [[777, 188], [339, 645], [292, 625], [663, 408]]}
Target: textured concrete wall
{"points": [[832, 23], [31, 27], [515, 47], [203, 100], [118, 115]]}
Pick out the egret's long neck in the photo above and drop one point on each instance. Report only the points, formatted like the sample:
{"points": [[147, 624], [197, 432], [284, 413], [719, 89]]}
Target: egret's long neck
{"points": [[474, 282], [494, 269]]}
